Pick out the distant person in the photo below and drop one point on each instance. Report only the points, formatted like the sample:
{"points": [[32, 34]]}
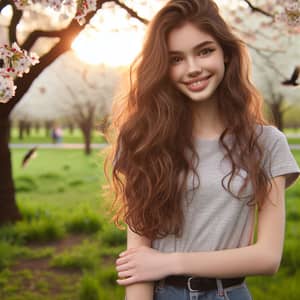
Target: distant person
{"points": [[195, 163], [56, 134]]}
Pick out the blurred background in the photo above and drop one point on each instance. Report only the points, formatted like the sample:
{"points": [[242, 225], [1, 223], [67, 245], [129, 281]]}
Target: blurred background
{"points": [[57, 240]]}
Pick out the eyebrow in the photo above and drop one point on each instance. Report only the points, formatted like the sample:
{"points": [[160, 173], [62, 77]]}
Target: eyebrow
{"points": [[196, 47]]}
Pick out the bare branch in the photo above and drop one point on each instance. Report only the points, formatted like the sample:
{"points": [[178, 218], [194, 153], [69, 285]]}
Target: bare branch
{"points": [[258, 9], [67, 36], [131, 12], [15, 20], [72, 29], [267, 59], [35, 35]]}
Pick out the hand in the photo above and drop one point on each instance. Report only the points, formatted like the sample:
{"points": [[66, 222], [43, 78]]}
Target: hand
{"points": [[141, 264]]}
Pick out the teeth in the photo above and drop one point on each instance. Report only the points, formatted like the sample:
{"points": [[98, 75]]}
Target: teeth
{"points": [[194, 84]]}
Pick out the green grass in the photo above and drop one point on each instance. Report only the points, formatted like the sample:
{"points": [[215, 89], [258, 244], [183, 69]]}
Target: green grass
{"points": [[82, 257], [42, 137], [59, 195]]}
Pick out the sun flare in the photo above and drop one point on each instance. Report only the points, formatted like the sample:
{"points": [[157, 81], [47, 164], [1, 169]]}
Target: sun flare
{"points": [[111, 48]]}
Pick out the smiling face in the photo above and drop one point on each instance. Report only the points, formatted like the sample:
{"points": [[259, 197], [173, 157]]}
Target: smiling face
{"points": [[196, 62]]}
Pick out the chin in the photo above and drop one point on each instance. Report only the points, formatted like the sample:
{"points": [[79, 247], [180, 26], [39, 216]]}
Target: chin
{"points": [[199, 98]]}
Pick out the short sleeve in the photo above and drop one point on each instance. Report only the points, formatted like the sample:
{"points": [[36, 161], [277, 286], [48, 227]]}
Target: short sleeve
{"points": [[279, 159]]}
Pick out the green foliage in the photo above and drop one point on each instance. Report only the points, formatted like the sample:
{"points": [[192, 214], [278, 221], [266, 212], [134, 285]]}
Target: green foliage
{"points": [[89, 288], [9, 234], [293, 216], [116, 292], [7, 254], [291, 116], [81, 257], [50, 176], [107, 276], [291, 256], [33, 212], [25, 184], [40, 230], [107, 251], [112, 236], [79, 208], [84, 222], [76, 182]]}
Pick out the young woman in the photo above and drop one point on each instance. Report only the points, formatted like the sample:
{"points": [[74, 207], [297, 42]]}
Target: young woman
{"points": [[195, 163]]}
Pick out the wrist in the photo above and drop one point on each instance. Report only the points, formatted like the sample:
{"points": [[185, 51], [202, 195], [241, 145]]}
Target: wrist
{"points": [[175, 263]]}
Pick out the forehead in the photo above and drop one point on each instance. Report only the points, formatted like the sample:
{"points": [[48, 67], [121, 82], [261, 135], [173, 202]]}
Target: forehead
{"points": [[187, 37]]}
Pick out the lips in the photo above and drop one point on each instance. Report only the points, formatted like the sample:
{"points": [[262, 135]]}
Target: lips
{"points": [[197, 84]]}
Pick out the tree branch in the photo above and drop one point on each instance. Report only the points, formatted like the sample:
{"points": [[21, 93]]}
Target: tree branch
{"points": [[61, 33], [67, 35], [131, 12], [258, 9], [35, 35], [268, 60], [15, 20]]}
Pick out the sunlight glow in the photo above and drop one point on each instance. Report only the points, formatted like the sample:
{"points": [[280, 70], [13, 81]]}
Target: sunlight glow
{"points": [[110, 48]]}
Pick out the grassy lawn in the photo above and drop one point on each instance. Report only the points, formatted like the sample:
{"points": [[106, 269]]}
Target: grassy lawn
{"points": [[65, 246], [76, 137], [42, 137]]}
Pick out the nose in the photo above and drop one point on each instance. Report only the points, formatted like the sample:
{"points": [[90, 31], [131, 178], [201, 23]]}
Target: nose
{"points": [[193, 68]]}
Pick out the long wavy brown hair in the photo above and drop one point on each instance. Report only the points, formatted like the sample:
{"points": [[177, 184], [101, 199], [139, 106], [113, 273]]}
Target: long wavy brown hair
{"points": [[153, 127]]}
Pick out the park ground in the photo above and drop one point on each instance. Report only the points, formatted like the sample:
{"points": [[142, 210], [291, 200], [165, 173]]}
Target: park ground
{"points": [[66, 245]]}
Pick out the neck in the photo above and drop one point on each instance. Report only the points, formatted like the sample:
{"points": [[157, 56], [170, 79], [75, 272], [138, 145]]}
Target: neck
{"points": [[207, 119]]}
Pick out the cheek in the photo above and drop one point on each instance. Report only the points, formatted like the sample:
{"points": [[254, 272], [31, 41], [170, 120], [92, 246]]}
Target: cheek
{"points": [[174, 73]]}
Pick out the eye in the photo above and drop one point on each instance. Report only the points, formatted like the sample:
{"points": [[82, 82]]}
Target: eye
{"points": [[174, 60], [205, 51]]}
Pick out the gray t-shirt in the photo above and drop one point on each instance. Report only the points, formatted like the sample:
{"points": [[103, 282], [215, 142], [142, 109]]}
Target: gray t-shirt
{"points": [[214, 219]]}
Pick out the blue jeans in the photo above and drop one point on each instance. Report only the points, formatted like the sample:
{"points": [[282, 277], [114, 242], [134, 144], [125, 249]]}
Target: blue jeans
{"points": [[236, 292]]}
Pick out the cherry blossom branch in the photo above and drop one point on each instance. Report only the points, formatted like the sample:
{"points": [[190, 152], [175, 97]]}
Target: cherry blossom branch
{"points": [[131, 12], [35, 35], [258, 9]]}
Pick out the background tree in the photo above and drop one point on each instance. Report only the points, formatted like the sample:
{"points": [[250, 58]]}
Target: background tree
{"points": [[277, 106], [62, 38], [91, 101]]}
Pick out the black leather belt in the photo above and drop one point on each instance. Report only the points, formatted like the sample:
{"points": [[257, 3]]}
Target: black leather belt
{"points": [[200, 283]]}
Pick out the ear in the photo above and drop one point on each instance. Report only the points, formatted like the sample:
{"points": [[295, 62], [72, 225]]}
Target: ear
{"points": [[226, 59]]}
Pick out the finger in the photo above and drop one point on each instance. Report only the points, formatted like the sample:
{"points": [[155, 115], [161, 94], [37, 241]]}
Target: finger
{"points": [[127, 281], [125, 273], [122, 260], [123, 267]]}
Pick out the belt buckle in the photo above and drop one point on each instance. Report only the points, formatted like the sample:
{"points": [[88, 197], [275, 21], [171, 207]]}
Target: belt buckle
{"points": [[189, 285]]}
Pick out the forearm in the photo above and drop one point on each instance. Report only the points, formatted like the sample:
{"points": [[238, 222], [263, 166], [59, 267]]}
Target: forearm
{"points": [[250, 260], [139, 291]]}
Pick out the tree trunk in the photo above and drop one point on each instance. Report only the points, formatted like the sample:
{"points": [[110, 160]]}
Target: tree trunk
{"points": [[8, 208], [277, 115], [48, 126], [28, 128], [71, 128], [37, 127], [21, 129], [86, 131]]}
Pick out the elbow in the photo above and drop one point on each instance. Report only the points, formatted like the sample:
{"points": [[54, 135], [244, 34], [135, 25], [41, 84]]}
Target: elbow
{"points": [[271, 265]]}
